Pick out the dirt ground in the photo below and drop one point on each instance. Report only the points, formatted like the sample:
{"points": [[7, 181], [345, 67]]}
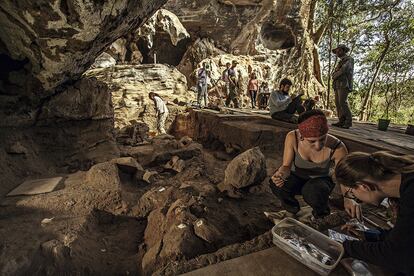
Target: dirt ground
{"points": [[109, 221]]}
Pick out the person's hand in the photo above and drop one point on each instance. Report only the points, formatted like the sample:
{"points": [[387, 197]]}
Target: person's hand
{"points": [[353, 208], [279, 178], [353, 231]]}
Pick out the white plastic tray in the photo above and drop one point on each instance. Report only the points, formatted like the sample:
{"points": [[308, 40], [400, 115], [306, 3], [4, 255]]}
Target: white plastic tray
{"points": [[332, 248]]}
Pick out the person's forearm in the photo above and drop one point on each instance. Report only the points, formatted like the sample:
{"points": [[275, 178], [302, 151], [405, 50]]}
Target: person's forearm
{"points": [[284, 169]]}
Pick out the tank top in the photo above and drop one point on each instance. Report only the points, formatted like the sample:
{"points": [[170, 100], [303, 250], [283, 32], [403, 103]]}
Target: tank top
{"points": [[308, 169]]}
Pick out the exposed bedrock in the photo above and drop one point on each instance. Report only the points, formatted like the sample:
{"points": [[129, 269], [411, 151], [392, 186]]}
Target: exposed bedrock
{"points": [[54, 120], [71, 130], [55, 41]]}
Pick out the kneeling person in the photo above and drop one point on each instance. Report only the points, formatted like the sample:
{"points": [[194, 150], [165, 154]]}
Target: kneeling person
{"points": [[309, 154]]}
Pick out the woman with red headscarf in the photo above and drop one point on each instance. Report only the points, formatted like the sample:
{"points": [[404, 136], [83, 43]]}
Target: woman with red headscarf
{"points": [[309, 154]]}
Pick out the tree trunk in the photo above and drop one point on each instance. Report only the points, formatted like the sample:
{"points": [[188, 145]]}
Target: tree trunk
{"points": [[367, 96], [330, 15]]}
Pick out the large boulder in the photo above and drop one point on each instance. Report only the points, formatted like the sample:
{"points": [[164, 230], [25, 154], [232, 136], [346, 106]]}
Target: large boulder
{"points": [[246, 169]]}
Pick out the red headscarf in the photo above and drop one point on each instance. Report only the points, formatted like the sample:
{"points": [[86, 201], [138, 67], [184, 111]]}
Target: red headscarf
{"points": [[314, 126]]}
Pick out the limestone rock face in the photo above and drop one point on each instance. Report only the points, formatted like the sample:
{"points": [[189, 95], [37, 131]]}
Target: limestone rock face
{"points": [[223, 21], [281, 33], [60, 39], [104, 60], [131, 84], [162, 35], [246, 169], [163, 21], [87, 99], [195, 54]]}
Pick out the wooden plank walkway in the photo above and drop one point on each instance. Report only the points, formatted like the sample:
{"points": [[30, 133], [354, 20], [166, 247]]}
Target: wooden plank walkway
{"points": [[272, 261], [362, 133]]}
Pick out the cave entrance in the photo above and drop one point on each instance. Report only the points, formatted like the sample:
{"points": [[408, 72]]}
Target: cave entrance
{"points": [[166, 52], [277, 36]]}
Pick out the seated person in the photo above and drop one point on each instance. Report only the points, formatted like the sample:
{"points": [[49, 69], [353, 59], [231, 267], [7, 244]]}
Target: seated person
{"points": [[282, 106], [309, 154], [371, 178]]}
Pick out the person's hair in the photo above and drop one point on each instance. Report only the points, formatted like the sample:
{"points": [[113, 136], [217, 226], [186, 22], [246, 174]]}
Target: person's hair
{"points": [[380, 165], [285, 81], [154, 94], [310, 113], [228, 63]]}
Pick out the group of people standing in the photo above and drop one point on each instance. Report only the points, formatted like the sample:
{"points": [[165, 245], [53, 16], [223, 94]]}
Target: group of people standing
{"points": [[258, 93]]}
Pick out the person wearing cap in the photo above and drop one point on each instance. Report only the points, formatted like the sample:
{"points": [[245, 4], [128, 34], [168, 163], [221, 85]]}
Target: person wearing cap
{"points": [[283, 106], [309, 154], [232, 96], [342, 84]]}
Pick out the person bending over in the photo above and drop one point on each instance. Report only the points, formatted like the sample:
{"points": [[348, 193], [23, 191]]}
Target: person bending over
{"points": [[161, 111], [371, 178]]}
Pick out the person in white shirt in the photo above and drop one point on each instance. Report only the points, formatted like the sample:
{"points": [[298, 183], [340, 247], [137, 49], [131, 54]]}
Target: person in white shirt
{"points": [[161, 111]]}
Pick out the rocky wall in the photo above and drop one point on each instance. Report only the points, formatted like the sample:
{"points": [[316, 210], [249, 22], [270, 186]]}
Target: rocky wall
{"points": [[131, 84], [279, 33], [50, 120], [72, 130]]}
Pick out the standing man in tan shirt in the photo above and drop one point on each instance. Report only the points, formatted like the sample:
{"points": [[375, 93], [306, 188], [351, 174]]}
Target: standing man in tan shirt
{"points": [[342, 85]]}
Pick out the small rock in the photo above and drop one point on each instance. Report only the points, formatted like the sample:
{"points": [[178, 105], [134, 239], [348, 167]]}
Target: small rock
{"points": [[105, 60], [55, 249], [181, 226], [206, 231], [184, 185], [70, 203], [220, 199], [127, 164], [185, 141], [209, 189], [16, 148], [175, 164], [149, 176], [46, 221]]}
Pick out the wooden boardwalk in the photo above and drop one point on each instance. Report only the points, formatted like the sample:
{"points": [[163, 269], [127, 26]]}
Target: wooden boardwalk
{"points": [[394, 139], [268, 262]]}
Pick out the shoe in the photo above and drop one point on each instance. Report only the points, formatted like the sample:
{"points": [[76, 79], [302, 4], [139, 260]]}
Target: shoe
{"points": [[345, 126], [338, 124]]}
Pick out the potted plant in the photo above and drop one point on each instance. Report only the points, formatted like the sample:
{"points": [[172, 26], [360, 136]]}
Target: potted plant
{"points": [[410, 125], [410, 129], [384, 123]]}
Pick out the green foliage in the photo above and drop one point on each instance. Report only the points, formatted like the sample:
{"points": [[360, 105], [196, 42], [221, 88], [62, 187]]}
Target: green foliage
{"points": [[366, 26]]}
